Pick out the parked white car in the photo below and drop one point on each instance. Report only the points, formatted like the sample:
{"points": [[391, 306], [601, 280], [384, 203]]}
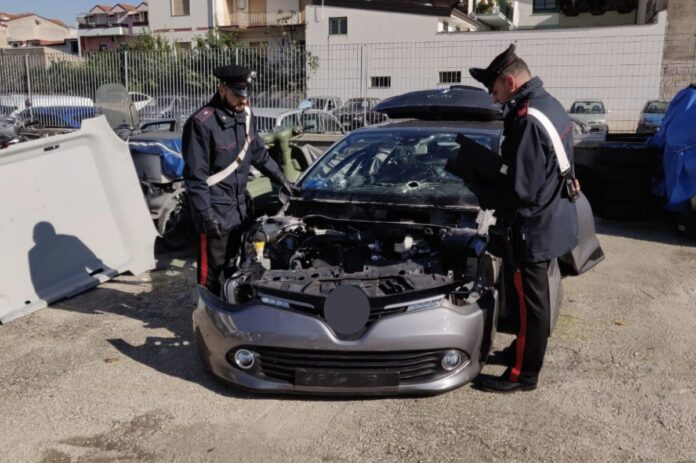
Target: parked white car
{"points": [[592, 113], [308, 120], [326, 103]]}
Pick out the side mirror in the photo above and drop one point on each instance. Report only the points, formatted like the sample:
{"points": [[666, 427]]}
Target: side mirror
{"points": [[297, 130], [135, 116]]}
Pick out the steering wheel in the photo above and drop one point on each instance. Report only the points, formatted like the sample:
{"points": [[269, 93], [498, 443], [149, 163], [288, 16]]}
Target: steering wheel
{"points": [[401, 156]]}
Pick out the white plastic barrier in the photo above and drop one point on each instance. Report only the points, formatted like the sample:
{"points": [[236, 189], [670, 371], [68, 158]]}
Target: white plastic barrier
{"points": [[72, 215]]}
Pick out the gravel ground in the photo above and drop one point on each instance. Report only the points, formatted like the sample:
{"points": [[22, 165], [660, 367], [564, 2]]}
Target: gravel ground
{"points": [[113, 376]]}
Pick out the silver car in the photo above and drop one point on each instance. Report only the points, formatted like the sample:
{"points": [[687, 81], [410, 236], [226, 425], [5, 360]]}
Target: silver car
{"points": [[383, 276], [304, 120], [590, 112]]}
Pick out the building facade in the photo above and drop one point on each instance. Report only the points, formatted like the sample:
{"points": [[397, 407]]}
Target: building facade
{"points": [[334, 22], [31, 30], [178, 22], [107, 27], [254, 22]]}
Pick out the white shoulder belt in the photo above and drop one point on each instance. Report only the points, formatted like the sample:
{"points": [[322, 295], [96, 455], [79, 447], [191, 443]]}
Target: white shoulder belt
{"points": [[227, 171], [559, 149]]}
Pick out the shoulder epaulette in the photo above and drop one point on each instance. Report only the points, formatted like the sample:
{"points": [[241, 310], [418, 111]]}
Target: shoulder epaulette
{"points": [[203, 114], [522, 109]]}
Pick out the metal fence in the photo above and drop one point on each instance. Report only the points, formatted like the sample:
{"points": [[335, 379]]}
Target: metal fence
{"points": [[622, 72]]}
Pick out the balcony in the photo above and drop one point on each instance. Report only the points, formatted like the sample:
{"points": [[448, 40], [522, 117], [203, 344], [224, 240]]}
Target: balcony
{"points": [[498, 14], [101, 31], [242, 20]]}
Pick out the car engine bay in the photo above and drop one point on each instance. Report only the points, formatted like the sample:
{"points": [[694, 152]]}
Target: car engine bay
{"points": [[296, 262]]}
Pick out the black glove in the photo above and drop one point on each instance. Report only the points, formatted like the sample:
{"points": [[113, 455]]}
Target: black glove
{"points": [[213, 228]]}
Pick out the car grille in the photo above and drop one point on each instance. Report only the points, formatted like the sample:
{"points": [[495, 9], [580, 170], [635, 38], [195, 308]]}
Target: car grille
{"points": [[412, 366], [376, 313]]}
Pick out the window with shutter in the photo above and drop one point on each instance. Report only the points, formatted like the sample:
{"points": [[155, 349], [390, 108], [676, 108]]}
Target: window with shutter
{"points": [[181, 8], [338, 26], [545, 6]]}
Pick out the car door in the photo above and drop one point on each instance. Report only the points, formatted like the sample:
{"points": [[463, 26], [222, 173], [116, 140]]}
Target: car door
{"points": [[330, 124]]}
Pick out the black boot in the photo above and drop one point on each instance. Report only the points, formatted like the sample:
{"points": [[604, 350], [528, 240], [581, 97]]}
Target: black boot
{"points": [[501, 384], [505, 357]]}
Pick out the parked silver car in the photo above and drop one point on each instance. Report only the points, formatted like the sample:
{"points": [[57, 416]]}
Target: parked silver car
{"points": [[590, 112], [378, 278]]}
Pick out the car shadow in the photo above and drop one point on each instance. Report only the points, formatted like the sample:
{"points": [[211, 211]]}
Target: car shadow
{"points": [[661, 229]]}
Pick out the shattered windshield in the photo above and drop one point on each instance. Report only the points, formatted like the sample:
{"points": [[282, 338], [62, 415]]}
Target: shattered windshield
{"points": [[403, 166]]}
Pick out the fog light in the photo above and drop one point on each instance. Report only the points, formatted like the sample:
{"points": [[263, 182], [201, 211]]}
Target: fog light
{"points": [[244, 359], [451, 360]]}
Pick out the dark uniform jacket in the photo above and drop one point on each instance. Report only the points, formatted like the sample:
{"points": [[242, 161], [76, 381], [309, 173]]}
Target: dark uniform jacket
{"points": [[545, 225], [212, 140]]}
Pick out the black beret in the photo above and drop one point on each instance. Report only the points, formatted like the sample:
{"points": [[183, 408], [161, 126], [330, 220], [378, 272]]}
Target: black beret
{"points": [[233, 74], [488, 76]]}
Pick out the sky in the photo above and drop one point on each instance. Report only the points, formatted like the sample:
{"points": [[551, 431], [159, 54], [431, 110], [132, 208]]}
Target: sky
{"points": [[65, 10]]}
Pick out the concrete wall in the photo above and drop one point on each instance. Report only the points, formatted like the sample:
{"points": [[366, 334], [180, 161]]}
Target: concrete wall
{"points": [[679, 63], [619, 65], [273, 6], [35, 28], [366, 26], [91, 44]]}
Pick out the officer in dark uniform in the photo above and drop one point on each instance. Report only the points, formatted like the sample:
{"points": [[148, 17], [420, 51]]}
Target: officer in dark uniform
{"points": [[220, 144], [544, 226]]}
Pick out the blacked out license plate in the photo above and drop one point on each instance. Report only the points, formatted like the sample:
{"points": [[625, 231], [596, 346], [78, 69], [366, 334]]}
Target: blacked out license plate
{"points": [[320, 378]]}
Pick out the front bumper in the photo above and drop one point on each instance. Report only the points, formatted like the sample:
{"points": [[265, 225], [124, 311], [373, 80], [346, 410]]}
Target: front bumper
{"points": [[222, 328], [598, 127]]}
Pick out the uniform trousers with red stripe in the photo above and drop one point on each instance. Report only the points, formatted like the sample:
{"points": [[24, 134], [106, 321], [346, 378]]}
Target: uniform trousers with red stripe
{"points": [[531, 283], [217, 257]]}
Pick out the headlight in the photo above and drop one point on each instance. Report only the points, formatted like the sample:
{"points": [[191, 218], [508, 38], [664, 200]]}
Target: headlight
{"points": [[275, 302], [451, 360], [420, 304], [244, 359], [425, 304]]}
